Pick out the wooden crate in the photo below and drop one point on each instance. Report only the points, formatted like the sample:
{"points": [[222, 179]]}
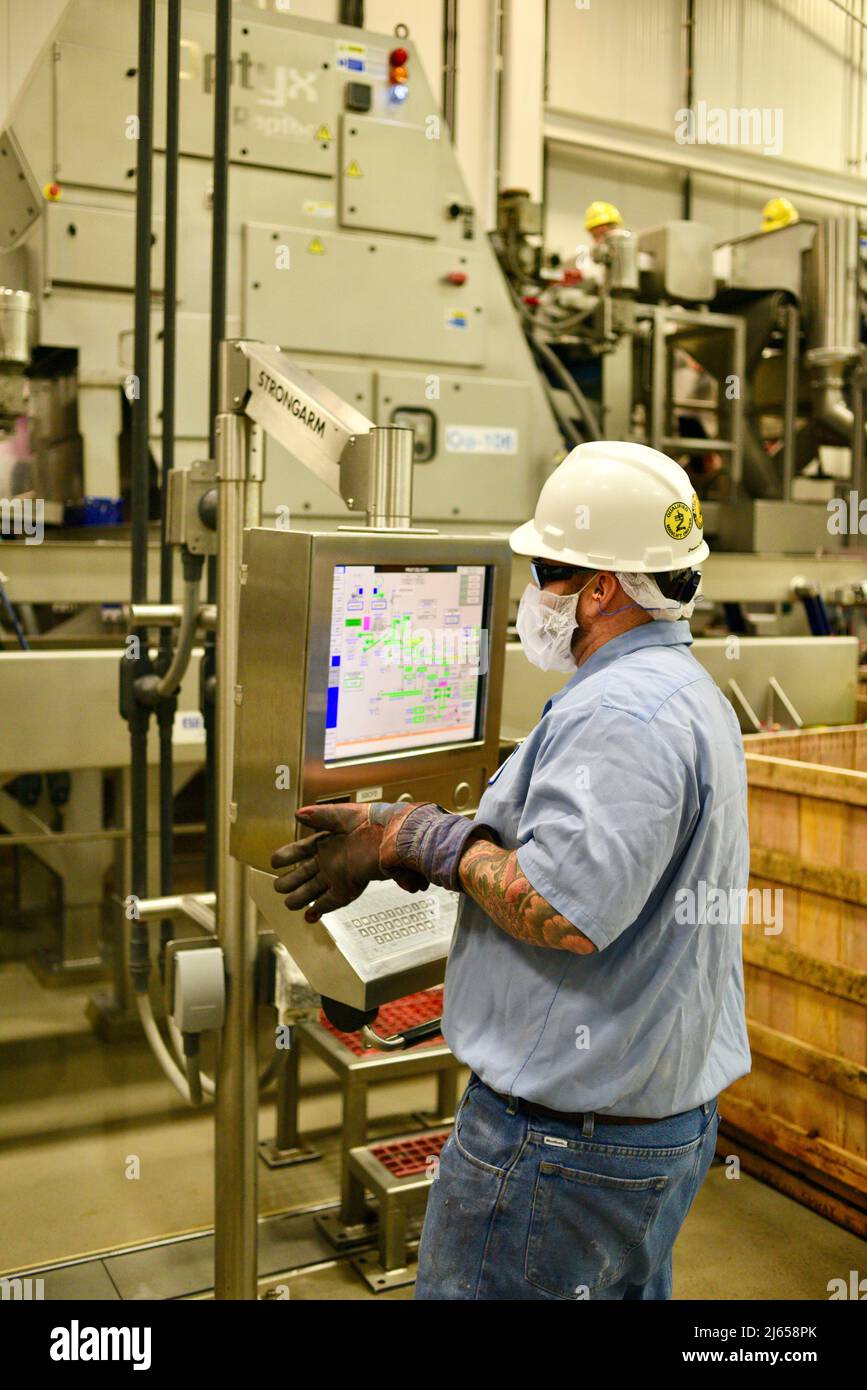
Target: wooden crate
{"points": [[800, 1118]]}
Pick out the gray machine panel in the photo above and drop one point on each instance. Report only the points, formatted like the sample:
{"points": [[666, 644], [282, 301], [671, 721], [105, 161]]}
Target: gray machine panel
{"points": [[285, 622], [305, 301], [483, 450], [372, 195]]}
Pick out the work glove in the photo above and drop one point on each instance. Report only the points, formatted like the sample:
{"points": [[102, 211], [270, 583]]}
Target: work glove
{"points": [[333, 867], [414, 843]]}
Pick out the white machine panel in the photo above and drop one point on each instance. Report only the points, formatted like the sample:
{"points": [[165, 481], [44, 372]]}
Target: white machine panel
{"points": [[482, 447], [390, 177], [95, 102], [96, 246], [282, 94], [409, 311]]}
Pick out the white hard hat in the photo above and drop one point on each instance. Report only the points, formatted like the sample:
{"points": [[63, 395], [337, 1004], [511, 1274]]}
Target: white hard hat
{"points": [[616, 506]]}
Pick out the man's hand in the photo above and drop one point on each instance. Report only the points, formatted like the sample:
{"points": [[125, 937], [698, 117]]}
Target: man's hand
{"points": [[333, 867]]}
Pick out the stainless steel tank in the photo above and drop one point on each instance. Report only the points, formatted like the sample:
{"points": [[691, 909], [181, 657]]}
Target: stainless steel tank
{"points": [[17, 326]]}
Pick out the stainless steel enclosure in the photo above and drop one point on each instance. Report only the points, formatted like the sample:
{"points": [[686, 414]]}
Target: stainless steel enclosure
{"points": [[284, 623]]}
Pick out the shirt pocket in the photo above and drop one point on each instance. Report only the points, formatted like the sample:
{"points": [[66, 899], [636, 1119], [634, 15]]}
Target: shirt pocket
{"points": [[584, 1225]]}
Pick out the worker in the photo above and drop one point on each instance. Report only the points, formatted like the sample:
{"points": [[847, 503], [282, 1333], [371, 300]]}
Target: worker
{"points": [[600, 219], [591, 262], [596, 999], [777, 213]]}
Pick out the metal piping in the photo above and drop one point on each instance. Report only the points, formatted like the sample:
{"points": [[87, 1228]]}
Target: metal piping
{"points": [[219, 250], [170, 280], [139, 719], [450, 65], [689, 24], [833, 330], [352, 13], [390, 460], [170, 681], [235, 1154]]}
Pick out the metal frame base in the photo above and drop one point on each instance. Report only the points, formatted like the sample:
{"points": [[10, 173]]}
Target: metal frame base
{"points": [[342, 1235], [53, 971], [379, 1279], [285, 1158], [429, 1121]]}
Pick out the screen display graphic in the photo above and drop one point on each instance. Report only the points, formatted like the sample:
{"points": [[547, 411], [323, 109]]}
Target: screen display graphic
{"points": [[407, 658]]}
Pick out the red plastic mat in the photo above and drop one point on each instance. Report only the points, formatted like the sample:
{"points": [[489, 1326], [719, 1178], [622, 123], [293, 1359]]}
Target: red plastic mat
{"points": [[406, 1158], [394, 1018]]}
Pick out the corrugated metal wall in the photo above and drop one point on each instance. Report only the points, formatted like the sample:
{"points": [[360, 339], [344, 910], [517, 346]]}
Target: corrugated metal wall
{"points": [[624, 61], [622, 58], [797, 56], [24, 27]]}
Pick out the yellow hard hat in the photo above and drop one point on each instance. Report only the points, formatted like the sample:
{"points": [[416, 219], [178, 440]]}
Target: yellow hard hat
{"points": [[777, 213], [602, 215]]}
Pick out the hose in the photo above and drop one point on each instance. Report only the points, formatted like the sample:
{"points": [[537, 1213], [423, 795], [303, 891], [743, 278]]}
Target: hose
{"points": [[159, 1049], [13, 618], [170, 682], [583, 406]]}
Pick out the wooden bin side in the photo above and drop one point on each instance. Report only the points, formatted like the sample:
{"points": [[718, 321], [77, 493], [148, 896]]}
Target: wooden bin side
{"points": [[804, 1105]]}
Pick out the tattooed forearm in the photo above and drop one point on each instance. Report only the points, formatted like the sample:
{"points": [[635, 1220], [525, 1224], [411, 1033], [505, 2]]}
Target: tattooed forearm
{"points": [[493, 877]]}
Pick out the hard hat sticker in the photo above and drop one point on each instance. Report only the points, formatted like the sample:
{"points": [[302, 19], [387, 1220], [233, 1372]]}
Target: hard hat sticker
{"points": [[697, 512], [678, 521]]}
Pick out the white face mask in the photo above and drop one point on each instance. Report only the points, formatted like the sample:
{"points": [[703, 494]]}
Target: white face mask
{"points": [[545, 626]]}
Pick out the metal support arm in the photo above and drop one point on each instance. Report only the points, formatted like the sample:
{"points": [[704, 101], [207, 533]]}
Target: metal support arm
{"points": [[370, 467]]}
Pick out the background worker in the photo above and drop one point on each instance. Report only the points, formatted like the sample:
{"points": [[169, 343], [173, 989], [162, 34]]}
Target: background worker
{"points": [[777, 213]]}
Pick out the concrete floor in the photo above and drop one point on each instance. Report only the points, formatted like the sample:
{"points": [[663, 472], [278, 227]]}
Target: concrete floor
{"points": [[73, 1111]]}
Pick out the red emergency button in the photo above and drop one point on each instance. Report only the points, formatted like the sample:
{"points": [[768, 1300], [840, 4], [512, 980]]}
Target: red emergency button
{"points": [[457, 277]]}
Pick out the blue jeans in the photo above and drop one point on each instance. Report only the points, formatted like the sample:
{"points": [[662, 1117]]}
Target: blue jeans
{"points": [[531, 1208]]}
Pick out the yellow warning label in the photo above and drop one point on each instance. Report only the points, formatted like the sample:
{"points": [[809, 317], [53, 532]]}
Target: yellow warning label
{"points": [[316, 247], [353, 171], [323, 133], [696, 510], [678, 521]]}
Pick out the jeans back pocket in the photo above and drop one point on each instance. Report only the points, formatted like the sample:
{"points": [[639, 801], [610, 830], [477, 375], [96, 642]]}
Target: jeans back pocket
{"points": [[584, 1225]]}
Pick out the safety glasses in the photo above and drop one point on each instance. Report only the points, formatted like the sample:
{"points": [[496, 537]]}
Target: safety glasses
{"points": [[546, 571], [679, 585]]}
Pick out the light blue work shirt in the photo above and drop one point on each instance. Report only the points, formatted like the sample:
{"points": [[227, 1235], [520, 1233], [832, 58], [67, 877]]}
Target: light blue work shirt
{"points": [[631, 787]]}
